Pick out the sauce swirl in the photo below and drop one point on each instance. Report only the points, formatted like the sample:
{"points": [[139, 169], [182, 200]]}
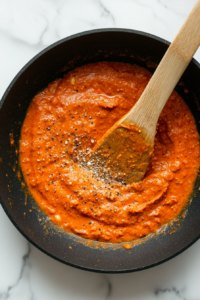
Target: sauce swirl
{"points": [[62, 126]]}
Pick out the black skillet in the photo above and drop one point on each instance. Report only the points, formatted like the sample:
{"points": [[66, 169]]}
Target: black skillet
{"points": [[97, 45]]}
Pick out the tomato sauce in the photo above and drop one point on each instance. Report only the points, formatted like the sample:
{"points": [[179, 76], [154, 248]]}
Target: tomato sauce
{"points": [[62, 126]]}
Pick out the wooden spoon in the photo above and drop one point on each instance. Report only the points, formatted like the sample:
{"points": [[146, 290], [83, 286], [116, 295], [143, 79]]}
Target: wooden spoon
{"points": [[123, 153]]}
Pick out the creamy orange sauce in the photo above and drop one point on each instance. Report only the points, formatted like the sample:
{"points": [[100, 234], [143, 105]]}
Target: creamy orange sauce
{"points": [[62, 126]]}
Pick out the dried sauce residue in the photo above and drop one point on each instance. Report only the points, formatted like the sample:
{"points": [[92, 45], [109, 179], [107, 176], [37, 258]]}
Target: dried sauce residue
{"points": [[12, 142], [61, 128]]}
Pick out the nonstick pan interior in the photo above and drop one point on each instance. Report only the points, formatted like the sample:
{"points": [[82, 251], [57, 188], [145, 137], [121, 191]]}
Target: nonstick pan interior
{"points": [[97, 45]]}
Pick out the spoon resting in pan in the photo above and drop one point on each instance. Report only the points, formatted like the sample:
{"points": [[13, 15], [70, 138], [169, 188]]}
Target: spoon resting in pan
{"points": [[124, 152]]}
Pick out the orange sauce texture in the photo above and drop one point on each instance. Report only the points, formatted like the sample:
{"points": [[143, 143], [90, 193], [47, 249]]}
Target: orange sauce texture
{"points": [[62, 126]]}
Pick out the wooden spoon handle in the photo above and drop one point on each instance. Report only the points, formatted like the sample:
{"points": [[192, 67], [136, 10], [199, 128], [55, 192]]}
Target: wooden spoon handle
{"points": [[147, 110]]}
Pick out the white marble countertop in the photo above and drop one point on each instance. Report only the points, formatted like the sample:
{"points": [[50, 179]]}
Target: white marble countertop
{"points": [[27, 27]]}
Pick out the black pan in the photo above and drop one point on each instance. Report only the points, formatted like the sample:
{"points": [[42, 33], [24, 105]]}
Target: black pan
{"points": [[97, 45]]}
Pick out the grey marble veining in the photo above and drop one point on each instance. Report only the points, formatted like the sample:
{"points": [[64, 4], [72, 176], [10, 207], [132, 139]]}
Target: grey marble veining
{"points": [[27, 27]]}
